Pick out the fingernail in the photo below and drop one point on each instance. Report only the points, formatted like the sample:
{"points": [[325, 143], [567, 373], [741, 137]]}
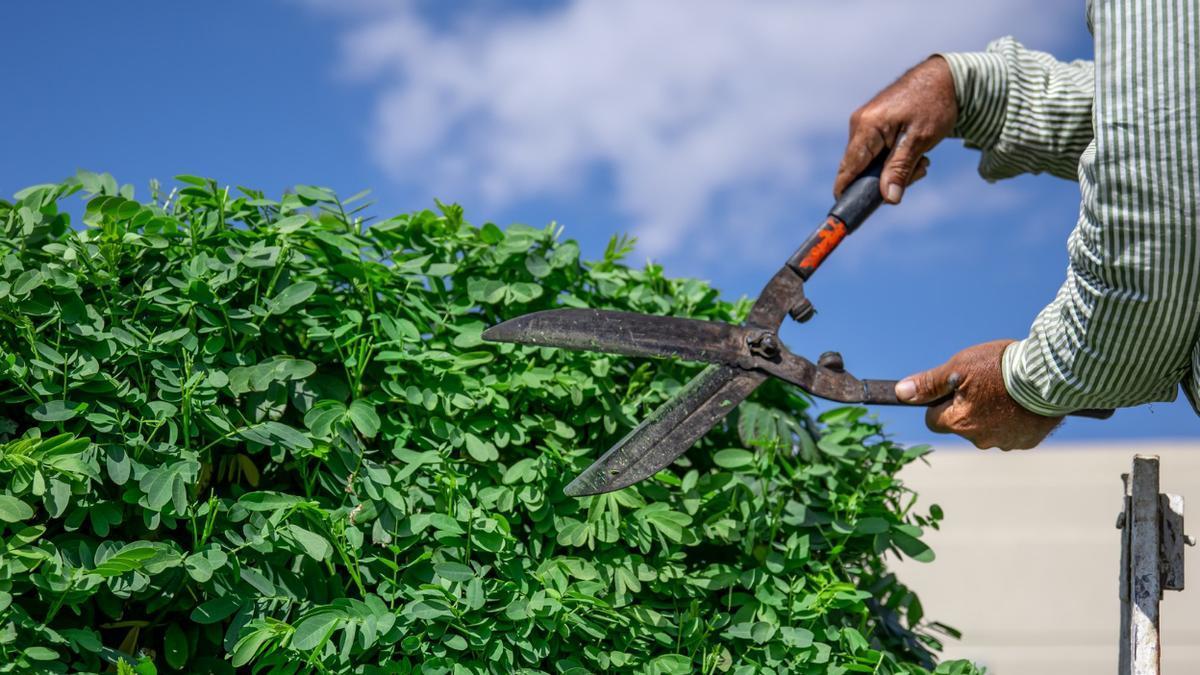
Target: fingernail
{"points": [[906, 390], [894, 193]]}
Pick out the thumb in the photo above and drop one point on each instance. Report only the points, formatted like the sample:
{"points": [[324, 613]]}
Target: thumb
{"points": [[900, 168], [928, 386]]}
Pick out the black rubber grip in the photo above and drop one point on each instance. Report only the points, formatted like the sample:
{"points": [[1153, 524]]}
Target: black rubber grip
{"points": [[862, 197]]}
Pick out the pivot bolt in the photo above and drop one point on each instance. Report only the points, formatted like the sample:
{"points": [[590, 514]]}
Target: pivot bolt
{"points": [[764, 344], [833, 361], [803, 311]]}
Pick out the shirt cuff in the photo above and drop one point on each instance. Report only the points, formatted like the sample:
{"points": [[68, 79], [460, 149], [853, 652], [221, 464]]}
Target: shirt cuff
{"points": [[1021, 383], [981, 89]]}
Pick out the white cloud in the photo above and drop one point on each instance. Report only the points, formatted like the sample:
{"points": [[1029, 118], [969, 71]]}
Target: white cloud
{"points": [[696, 109]]}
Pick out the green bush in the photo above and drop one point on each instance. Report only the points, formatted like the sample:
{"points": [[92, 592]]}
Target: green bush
{"points": [[246, 433]]}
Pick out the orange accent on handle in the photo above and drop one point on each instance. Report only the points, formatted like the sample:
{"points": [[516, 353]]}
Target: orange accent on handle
{"points": [[831, 233]]}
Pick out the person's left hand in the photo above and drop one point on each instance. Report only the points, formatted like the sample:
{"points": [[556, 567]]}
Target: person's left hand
{"points": [[981, 409]]}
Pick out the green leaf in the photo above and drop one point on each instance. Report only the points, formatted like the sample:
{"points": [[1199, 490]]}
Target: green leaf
{"points": [[267, 501], [291, 296], [797, 638], [311, 193], [40, 654], [129, 558], [912, 547], [275, 433], [260, 583], [117, 464], [49, 353], [470, 360], [321, 418], [476, 596], [427, 610], [215, 610], [161, 484], [671, 664], [27, 282], [200, 566], [291, 224], [364, 417], [669, 523], [522, 471], [284, 370], [469, 335], [733, 458], [287, 436], [58, 411], [490, 234], [565, 254], [193, 180], [171, 336], [454, 571], [314, 629], [175, 647], [313, 544], [537, 265], [13, 510], [479, 449], [872, 526], [917, 451], [762, 632], [485, 290], [248, 647], [523, 291]]}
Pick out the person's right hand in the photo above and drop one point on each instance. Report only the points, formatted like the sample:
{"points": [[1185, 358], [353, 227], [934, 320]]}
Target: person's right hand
{"points": [[911, 116]]}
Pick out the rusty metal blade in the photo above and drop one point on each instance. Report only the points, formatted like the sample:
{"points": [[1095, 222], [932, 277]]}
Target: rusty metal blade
{"points": [[627, 333], [669, 431]]}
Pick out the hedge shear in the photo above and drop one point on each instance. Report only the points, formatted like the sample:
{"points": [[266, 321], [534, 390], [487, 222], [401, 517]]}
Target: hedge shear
{"points": [[740, 357]]}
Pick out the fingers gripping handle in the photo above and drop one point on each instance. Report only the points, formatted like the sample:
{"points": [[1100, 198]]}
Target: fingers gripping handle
{"points": [[856, 203], [862, 197], [883, 392]]}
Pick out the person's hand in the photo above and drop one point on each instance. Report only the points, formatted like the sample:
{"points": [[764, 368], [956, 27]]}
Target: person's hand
{"points": [[911, 116], [981, 409]]}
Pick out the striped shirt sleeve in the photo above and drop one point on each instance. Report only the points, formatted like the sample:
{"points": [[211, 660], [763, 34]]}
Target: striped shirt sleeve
{"points": [[1027, 111], [1124, 328]]}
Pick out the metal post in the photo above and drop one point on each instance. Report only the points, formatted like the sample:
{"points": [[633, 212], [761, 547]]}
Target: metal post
{"points": [[1152, 543]]}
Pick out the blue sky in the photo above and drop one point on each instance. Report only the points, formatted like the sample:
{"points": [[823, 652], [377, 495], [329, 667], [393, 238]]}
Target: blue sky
{"points": [[710, 130]]}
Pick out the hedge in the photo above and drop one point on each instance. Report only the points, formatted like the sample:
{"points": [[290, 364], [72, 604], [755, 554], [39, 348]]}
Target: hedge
{"points": [[254, 434]]}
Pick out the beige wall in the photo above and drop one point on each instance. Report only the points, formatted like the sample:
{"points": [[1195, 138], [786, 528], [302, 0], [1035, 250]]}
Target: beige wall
{"points": [[1028, 556]]}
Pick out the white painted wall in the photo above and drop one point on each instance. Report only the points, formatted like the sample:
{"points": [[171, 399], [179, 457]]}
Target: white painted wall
{"points": [[1028, 556]]}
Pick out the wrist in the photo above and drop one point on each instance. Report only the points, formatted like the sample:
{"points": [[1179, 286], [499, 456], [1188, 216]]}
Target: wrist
{"points": [[1020, 388], [979, 82]]}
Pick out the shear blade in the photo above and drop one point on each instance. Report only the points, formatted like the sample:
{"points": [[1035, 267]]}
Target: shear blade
{"points": [[627, 333], [677, 424], [669, 431]]}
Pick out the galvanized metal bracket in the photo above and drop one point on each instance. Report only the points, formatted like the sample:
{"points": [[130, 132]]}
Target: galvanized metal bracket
{"points": [[1152, 550]]}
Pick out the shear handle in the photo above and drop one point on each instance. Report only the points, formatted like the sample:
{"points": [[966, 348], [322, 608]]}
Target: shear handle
{"points": [[883, 392], [862, 197], [858, 201]]}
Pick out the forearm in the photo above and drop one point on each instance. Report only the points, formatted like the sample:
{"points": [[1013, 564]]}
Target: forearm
{"points": [[1026, 111], [1097, 346], [1123, 328]]}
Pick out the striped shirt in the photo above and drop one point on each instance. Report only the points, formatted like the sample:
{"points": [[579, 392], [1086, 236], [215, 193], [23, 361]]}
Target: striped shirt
{"points": [[1124, 328]]}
